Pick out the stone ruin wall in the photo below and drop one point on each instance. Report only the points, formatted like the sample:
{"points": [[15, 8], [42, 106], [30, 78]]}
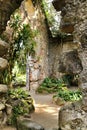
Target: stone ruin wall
{"points": [[74, 21], [39, 64], [6, 9]]}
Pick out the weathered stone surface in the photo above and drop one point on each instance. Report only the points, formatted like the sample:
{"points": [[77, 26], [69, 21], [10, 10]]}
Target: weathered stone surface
{"points": [[1, 114], [67, 28], [84, 39], [7, 7], [3, 63], [26, 124], [58, 4], [3, 88], [69, 46], [2, 106], [73, 117], [34, 75], [3, 47], [70, 63], [8, 109]]}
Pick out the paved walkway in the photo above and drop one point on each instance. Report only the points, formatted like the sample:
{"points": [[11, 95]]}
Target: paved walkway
{"points": [[46, 112]]}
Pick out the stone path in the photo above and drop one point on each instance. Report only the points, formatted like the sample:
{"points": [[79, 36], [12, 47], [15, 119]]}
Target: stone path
{"points": [[46, 112]]}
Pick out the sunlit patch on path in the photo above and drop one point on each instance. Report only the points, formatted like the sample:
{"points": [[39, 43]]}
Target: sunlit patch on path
{"points": [[46, 112]]}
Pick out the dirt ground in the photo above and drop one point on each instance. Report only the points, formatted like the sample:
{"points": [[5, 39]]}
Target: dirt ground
{"points": [[46, 112]]}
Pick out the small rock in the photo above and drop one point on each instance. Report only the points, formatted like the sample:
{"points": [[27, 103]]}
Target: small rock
{"points": [[8, 109], [3, 63], [3, 88], [59, 101], [2, 106], [26, 124]]}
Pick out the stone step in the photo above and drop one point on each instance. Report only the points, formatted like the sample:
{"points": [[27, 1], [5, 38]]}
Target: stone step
{"points": [[3, 63], [3, 47]]}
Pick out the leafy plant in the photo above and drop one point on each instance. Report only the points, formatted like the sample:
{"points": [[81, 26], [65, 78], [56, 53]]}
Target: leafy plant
{"points": [[21, 102], [52, 16], [50, 85], [68, 95]]}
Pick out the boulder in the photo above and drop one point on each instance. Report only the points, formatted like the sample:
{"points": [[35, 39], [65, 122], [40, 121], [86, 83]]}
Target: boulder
{"points": [[3, 89], [3, 47], [3, 63], [1, 114], [7, 7], [70, 63], [25, 124], [73, 117]]}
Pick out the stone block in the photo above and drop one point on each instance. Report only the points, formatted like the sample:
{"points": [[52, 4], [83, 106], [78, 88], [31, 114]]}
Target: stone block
{"points": [[25, 124], [3, 63], [8, 109]]}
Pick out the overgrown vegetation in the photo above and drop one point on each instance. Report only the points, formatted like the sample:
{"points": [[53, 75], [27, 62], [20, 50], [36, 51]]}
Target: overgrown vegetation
{"points": [[22, 44], [53, 17], [21, 102], [59, 86]]}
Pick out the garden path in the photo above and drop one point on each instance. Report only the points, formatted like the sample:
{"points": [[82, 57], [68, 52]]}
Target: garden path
{"points": [[46, 112]]}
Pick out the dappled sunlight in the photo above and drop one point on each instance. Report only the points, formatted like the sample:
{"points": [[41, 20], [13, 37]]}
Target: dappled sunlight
{"points": [[47, 109]]}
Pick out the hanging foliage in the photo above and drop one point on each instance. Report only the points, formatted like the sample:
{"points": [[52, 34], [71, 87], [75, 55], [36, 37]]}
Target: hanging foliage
{"points": [[21, 44]]}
